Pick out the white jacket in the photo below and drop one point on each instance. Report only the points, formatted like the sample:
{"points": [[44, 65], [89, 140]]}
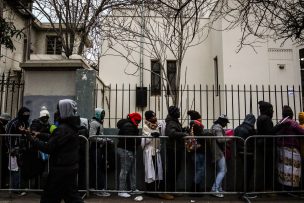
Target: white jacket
{"points": [[151, 147]]}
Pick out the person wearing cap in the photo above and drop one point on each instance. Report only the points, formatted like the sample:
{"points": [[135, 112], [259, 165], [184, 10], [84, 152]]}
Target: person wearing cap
{"points": [[175, 147], [4, 119], [197, 150], [218, 156], [63, 147], [42, 124], [97, 153], [126, 149]]}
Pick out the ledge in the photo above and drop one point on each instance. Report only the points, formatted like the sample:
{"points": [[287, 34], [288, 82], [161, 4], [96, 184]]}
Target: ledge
{"points": [[54, 65]]}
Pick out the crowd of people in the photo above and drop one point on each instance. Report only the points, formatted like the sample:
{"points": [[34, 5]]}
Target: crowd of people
{"points": [[59, 145]]}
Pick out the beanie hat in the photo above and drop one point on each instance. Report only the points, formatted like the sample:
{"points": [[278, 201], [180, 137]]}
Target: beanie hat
{"points": [[44, 112], [149, 114], [5, 116], [250, 119], [222, 119], [135, 117], [174, 111], [287, 111], [301, 118], [194, 115]]}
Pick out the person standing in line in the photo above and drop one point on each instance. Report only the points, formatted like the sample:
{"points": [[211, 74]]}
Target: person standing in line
{"points": [[218, 156], [97, 153], [63, 148], [126, 149], [16, 146], [288, 153], [175, 147], [266, 148], [197, 148], [301, 123], [151, 155], [245, 130], [4, 119]]}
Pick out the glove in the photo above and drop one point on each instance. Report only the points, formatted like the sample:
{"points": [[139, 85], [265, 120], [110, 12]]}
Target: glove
{"points": [[155, 134]]}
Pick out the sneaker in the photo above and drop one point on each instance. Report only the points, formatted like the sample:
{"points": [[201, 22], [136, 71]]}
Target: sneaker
{"points": [[251, 196], [166, 196], [22, 194], [102, 194], [217, 194], [136, 192], [124, 194], [138, 198]]}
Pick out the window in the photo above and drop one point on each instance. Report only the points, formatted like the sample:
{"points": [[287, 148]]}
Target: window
{"points": [[53, 45], [155, 77], [171, 75], [216, 80]]}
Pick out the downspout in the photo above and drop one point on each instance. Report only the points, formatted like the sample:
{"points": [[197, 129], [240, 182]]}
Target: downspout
{"points": [[141, 59]]}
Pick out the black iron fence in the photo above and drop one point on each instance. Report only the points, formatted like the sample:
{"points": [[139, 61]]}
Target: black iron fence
{"points": [[11, 92], [235, 101], [251, 166]]}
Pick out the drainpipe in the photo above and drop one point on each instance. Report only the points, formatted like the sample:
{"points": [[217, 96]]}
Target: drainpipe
{"points": [[141, 59]]}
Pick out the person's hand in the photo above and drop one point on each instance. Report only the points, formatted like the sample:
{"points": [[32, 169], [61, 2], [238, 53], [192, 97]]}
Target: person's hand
{"points": [[24, 130], [35, 133]]}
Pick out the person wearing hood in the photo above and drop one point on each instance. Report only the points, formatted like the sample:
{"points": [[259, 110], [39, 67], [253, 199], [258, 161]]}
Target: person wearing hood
{"points": [[245, 130], [218, 156], [301, 123], [175, 147], [63, 148], [289, 156], [126, 149], [266, 145], [16, 146], [197, 150], [97, 153]]}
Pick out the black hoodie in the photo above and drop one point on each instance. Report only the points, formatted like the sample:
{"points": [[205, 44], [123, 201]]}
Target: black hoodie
{"points": [[126, 127], [63, 145], [175, 133]]}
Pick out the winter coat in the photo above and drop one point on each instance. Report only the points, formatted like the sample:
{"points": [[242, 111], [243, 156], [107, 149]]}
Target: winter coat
{"points": [[289, 127], [151, 148], [63, 145], [264, 125], [44, 129], [126, 127], [217, 145], [96, 128], [175, 134], [245, 130], [198, 131]]}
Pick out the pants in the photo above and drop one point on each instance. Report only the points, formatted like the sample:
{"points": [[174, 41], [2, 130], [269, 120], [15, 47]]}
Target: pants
{"points": [[221, 171], [198, 160], [61, 185], [249, 170], [97, 167], [174, 164], [127, 169], [15, 179]]}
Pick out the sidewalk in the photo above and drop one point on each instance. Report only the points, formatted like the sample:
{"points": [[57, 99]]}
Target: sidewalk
{"points": [[31, 198]]}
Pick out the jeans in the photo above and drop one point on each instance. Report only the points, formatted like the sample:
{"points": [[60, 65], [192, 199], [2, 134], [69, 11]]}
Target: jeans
{"points": [[199, 172], [127, 168], [221, 171], [15, 179]]}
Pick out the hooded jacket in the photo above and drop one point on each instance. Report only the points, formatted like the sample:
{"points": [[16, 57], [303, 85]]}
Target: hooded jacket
{"points": [[289, 127], [264, 122], [127, 127], [245, 130], [63, 145], [13, 128], [175, 133]]}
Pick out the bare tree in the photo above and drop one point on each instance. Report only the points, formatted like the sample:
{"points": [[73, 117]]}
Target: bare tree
{"points": [[77, 22], [158, 30]]}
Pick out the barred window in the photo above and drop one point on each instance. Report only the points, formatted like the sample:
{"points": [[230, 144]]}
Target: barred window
{"points": [[53, 45], [155, 77]]}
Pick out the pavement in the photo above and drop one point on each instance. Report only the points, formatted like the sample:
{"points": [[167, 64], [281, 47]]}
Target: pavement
{"points": [[32, 197]]}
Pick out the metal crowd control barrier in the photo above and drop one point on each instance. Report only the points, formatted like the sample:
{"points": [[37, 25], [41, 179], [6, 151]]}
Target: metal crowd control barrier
{"points": [[236, 181]]}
